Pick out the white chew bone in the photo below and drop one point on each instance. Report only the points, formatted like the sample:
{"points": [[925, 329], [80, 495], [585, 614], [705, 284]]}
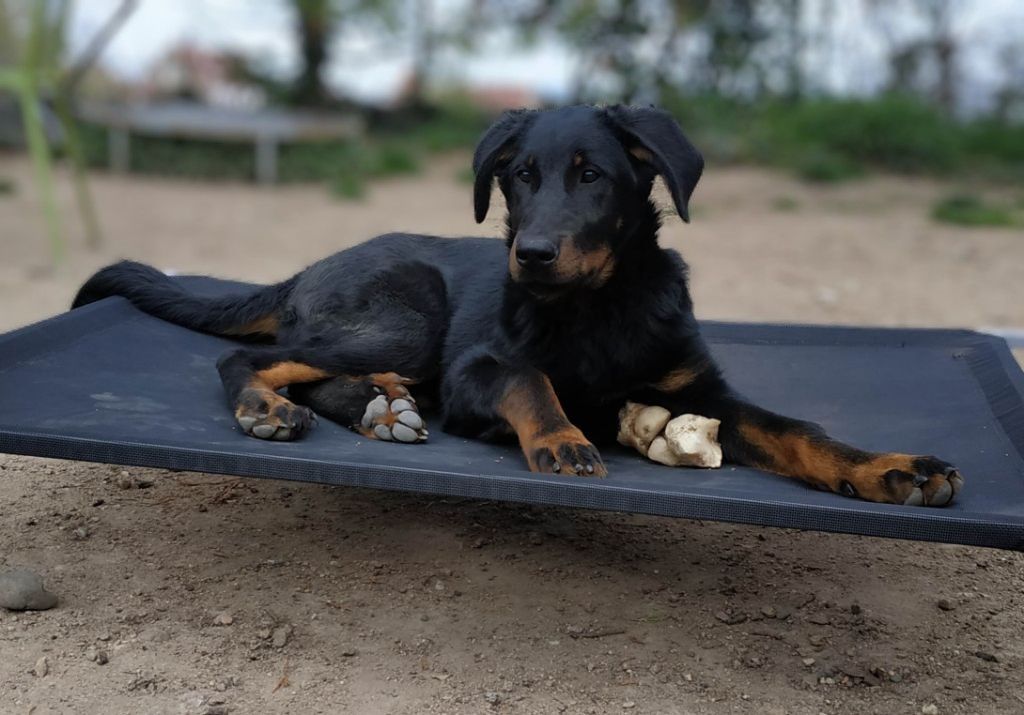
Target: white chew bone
{"points": [[693, 440], [687, 440], [640, 424]]}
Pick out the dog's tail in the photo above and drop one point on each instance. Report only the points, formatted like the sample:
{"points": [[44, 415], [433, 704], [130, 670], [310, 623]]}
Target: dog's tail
{"points": [[255, 313]]}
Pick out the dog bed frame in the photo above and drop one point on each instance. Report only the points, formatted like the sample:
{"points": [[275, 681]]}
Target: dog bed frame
{"points": [[107, 383]]}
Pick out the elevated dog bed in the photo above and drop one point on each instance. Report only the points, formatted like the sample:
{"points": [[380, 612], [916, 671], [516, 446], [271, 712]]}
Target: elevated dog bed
{"points": [[107, 383]]}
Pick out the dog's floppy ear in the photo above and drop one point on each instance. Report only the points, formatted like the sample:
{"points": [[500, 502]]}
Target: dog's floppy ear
{"points": [[495, 147], [653, 136]]}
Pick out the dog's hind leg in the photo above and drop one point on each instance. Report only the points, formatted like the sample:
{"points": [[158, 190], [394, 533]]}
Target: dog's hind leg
{"points": [[348, 357], [252, 377], [378, 405]]}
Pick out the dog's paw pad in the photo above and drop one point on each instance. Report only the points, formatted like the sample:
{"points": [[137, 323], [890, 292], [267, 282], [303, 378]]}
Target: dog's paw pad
{"points": [[393, 420]]}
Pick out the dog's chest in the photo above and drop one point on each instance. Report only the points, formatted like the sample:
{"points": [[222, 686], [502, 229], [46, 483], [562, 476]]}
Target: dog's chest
{"points": [[602, 359]]}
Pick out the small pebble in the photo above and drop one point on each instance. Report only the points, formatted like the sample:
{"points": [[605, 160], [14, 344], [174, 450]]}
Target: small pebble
{"points": [[730, 619], [492, 697], [279, 638], [97, 656], [223, 619], [945, 604], [930, 709], [41, 668]]}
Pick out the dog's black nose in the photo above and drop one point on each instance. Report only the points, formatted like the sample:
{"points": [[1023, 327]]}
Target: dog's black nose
{"points": [[533, 252]]}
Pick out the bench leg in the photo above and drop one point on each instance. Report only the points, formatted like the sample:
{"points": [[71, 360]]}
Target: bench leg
{"points": [[119, 150], [266, 160]]}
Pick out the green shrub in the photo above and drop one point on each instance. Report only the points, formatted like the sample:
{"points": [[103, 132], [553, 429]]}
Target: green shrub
{"points": [[833, 140], [786, 204], [891, 132], [971, 210], [392, 159], [465, 175], [348, 186], [825, 166]]}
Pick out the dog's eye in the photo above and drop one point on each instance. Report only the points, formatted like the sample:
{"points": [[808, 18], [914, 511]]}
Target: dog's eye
{"points": [[589, 176], [525, 175]]}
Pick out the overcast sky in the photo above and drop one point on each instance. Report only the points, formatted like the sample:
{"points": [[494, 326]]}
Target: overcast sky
{"points": [[262, 29]]}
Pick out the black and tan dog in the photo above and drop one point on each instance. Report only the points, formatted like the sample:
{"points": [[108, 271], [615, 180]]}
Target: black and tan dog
{"points": [[542, 336]]}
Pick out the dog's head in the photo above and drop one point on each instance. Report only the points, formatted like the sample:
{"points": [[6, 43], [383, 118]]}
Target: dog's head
{"points": [[576, 181]]}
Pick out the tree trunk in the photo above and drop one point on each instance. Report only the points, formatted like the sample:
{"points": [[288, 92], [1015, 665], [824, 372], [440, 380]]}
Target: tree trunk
{"points": [[314, 25]]}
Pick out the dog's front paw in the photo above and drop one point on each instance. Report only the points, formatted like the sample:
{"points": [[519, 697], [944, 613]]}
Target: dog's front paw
{"points": [[565, 452], [906, 479]]}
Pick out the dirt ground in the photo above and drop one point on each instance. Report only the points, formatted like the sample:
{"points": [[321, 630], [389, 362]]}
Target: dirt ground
{"points": [[190, 593]]}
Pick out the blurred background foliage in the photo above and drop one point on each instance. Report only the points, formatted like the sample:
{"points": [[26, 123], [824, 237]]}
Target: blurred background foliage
{"points": [[750, 82]]}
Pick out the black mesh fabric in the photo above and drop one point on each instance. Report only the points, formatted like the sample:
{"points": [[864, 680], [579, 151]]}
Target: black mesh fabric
{"points": [[107, 383]]}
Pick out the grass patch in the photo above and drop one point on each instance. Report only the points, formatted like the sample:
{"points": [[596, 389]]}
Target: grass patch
{"points": [[392, 159], [971, 210], [348, 186], [785, 204], [825, 166], [7, 186]]}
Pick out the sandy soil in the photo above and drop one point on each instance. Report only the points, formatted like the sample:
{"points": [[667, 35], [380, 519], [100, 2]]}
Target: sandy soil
{"points": [[207, 594]]}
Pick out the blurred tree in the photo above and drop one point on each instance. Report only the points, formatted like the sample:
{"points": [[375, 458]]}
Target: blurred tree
{"points": [[734, 29], [1009, 99], [314, 19], [317, 23], [924, 62], [425, 39], [627, 49]]}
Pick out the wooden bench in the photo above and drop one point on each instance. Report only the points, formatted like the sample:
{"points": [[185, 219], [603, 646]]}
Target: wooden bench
{"points": [[266, 129]]}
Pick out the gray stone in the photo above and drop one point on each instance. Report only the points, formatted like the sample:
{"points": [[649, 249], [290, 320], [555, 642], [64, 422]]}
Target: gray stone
{"points": [[22, 590]]}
